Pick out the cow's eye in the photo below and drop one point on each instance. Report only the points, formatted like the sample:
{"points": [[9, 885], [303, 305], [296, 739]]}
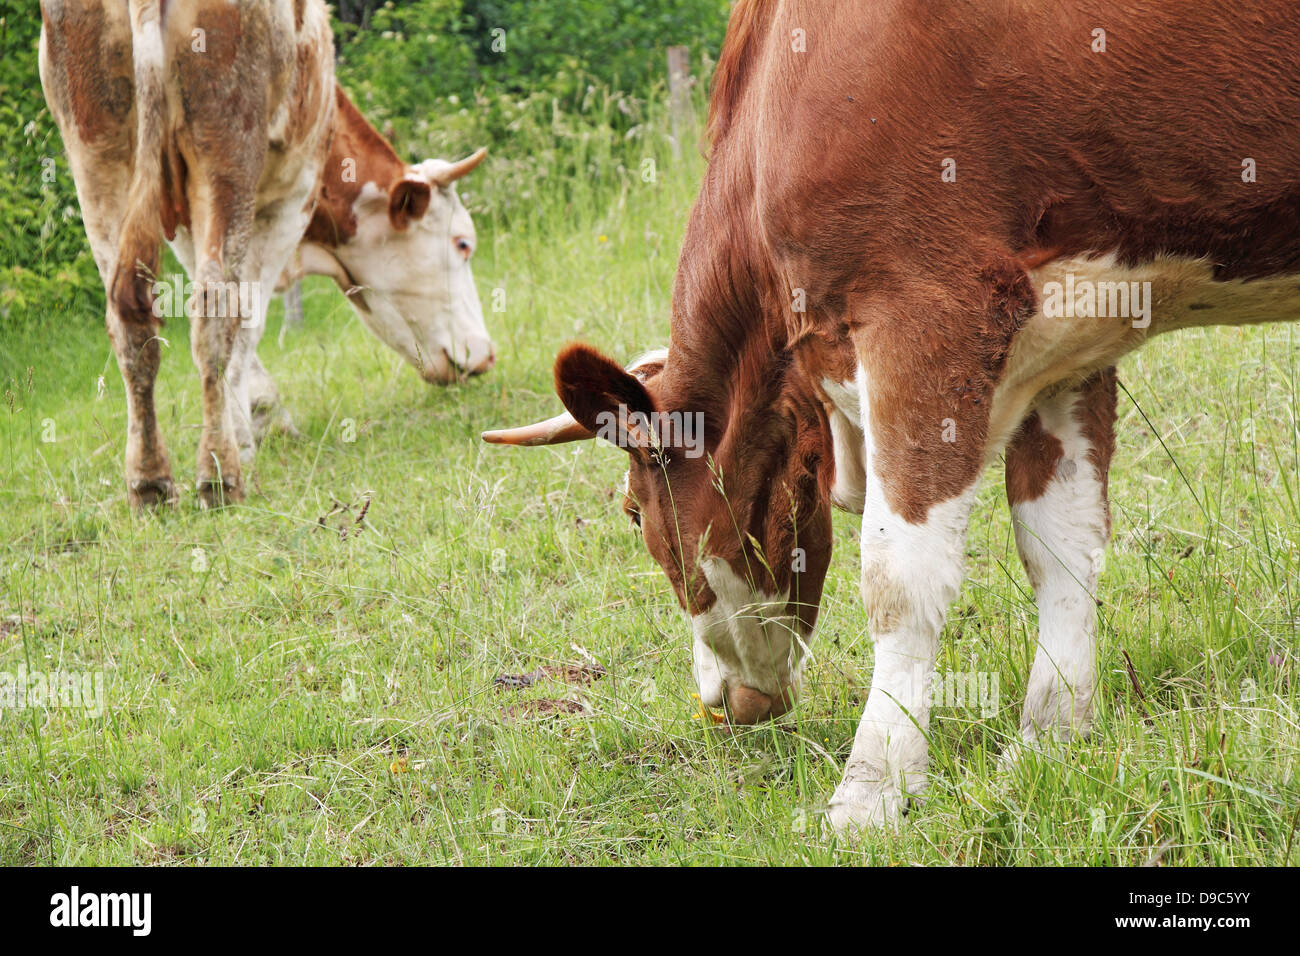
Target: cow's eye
{"points": [[636, 517]]}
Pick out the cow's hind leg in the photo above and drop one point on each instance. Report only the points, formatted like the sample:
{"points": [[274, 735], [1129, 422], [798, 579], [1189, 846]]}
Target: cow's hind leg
{"points": [[137, 344], [1056, 474], [224, 143], [138, 348], [251, 397], [214, 324], [97, 38]]}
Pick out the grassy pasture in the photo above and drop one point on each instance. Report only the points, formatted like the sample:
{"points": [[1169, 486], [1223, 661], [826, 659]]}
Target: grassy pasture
{"points": [[286, 682]]}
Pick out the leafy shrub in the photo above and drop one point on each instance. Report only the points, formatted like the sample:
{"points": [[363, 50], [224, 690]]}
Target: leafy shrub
{"points": [[44, 261], [553, 45], [408, 57], [420, 52]]}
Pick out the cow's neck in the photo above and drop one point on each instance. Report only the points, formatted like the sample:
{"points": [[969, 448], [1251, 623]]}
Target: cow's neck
{"points": [[731, 359], [728, 331], [358, 155]]}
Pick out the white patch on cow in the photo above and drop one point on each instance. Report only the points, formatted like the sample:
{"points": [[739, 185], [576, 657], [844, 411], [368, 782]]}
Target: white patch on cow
{"points": [[1061, 536], [416, 289], [746, 639], [706, 667], [147, 49], [910, 574], [1182, 294], [845, 417]]}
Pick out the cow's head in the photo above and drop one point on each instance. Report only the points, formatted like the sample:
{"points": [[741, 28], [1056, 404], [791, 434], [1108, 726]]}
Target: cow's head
{"points": [[731, 501], [406, 268]]}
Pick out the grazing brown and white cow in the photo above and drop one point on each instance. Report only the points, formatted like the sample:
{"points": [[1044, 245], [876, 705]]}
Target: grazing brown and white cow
{"points": [[218, 124], [904, 262]]}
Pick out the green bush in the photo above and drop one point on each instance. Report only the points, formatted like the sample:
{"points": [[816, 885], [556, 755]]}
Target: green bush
{"points": [[45, 264], [620, 43], [421, 52], [409, 58]]}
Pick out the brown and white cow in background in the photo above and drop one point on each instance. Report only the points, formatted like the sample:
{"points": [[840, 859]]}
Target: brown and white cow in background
{"points": [[925, 177], [218, 124]]}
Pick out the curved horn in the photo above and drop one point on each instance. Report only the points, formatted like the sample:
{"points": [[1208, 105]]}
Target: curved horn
{"points": [[462, 168], [554, 431]]}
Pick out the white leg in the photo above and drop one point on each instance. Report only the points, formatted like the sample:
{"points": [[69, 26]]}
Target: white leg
{"points": [[1061, 534], [910, 574], [238, 398], [253, 397]]}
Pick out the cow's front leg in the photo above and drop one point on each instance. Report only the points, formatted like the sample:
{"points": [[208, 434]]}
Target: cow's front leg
{"points": [[268, 411], [911, 571], [1056, 474], [274, 249], [932, 356]]}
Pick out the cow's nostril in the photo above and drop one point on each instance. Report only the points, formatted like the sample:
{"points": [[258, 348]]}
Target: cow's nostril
{"points": [[450, 369], [783, 702]]}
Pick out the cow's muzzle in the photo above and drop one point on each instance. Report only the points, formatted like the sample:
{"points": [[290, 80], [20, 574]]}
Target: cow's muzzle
{"points": [[480, 357], [748, 706]]}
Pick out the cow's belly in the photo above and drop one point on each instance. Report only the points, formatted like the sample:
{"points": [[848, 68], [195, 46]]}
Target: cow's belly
{"points": [[1093, 312], [1062, 344]]}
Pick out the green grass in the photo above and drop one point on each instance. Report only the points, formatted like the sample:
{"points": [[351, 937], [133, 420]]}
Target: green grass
{"points": [[279, 691]]}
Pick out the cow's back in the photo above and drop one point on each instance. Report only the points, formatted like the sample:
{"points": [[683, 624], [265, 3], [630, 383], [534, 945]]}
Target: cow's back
{"points": [[1048, 140]]}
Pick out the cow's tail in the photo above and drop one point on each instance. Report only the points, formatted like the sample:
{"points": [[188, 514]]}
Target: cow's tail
{"points": [[140, 240]]}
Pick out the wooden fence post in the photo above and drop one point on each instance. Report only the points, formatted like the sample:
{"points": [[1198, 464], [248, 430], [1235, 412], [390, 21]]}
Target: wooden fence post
{"points": [[679, 95]]}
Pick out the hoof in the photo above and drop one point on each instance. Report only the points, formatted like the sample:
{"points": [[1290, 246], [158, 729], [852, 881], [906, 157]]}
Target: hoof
{"points": [[218, 494], [858, 808], [147, 494], [272, 419]]}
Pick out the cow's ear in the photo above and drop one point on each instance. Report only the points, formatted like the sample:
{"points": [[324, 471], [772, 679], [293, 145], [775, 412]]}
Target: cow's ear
{"points": [[648, 367], [604, 398], [566, 428], [407, 201]]}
